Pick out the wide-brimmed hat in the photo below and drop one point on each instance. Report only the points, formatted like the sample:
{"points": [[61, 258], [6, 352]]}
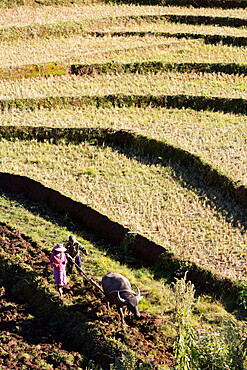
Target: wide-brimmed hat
{"points": [[59, 248]]}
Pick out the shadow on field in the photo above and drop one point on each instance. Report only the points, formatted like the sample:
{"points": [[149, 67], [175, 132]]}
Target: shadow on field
{"points": [[216, 197], [75, 325], [82, 323], [118, 253], [230, 4]]}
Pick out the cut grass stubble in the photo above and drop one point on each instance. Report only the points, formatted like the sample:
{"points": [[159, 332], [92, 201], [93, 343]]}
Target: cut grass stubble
{"points": [[218, 139], [78, 49], [170, 83], [20, 16], [147, 198]]}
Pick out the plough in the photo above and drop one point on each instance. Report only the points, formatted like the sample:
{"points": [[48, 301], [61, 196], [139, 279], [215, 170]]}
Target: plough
{"points": [[92, 281]]}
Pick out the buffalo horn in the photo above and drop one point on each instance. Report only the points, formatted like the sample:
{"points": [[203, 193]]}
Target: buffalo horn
{"points": [[120, 299], [139, 297]]}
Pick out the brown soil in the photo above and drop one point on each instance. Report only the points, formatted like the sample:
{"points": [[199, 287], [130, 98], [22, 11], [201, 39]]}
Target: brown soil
{"points": [[26, 345], [22, 336]]}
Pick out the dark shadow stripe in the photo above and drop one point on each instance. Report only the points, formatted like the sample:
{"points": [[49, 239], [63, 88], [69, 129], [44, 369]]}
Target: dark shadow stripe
{"points": [[223, 4], [226, 4], [57, 69], [208, 39], [126, 138], [153, 66], [193, 19], [14, 33], [114, 233], [237, 106]]}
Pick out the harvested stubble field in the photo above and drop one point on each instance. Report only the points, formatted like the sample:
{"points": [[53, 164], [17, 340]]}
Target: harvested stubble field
{"points": [[78, 49], [163, 200], [50, 14], [170, 83], [143, 194], [219, 139], [208, 85], [118, 25]]}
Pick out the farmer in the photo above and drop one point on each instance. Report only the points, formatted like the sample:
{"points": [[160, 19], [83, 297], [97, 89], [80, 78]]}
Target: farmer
{"points": [[73, 248], [58, 262]]}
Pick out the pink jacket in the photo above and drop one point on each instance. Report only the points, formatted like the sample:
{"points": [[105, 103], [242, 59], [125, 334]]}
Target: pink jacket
{"points": [[60, 261]]}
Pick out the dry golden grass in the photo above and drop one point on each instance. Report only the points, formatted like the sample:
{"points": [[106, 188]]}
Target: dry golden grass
{"points": [[157, 201], [26, 15], [78, 49], [148, 198], [206, 84], [219, 139]]}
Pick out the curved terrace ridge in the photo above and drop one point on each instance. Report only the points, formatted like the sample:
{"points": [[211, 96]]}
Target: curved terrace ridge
{"points": [[114, 233], [74, 27], [235, 105], [126, 138], [228, 4], [191, 19], [58, 68], [208, 39], [30, 32]]}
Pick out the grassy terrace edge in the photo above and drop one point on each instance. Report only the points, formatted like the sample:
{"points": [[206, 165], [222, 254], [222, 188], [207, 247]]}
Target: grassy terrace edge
{"points": [[116, 234], [226, 4], [58, 68], [126, 138], [62, 29], [235, 105], [73, 27]]}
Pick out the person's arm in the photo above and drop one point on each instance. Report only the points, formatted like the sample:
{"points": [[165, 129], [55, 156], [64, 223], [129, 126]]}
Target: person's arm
{"points": [[83, 249], [53, 261]]}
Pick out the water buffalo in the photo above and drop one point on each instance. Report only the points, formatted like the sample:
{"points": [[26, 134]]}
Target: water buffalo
{"points": [[117, 290]]}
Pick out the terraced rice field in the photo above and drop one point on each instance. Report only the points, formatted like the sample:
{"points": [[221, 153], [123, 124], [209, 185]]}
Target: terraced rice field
{"points": [[184, 88], [219, 139]]}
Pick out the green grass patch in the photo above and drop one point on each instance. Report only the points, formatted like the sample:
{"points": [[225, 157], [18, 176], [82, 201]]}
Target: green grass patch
{"points": [[57, 69], [33, 288], [33, 70], [163, 201]]}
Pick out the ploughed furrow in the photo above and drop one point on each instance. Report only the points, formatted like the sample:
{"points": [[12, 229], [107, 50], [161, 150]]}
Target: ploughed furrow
{"points": [[85, 327], [25, 343], [194, 19], [57, 69], [106, 13]]}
